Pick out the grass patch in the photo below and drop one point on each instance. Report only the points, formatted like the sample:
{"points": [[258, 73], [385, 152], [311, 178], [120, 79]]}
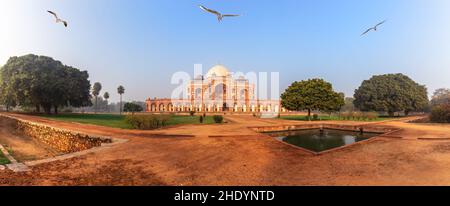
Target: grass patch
{"points": [[3, 159], [108, 120], [176, 120], [332, 118], [118, 121]]}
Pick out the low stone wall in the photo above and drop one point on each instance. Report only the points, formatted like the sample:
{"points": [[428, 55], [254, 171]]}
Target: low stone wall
{"points": [[62, 140]]}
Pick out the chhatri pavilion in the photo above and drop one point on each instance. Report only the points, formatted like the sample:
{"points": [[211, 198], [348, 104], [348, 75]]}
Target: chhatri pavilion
{"points": [[218, 91]]}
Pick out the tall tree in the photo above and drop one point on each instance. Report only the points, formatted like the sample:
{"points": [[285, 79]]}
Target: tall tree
{"points": [[313, 94], [391, 93], [121, 91], [132, 107], [40, 81], [106, 96], [440, 97], [95, 92]]}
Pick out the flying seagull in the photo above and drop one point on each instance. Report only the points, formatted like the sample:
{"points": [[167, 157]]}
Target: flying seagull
{"points": [[58, 20], [375, 28], [219, 15]]}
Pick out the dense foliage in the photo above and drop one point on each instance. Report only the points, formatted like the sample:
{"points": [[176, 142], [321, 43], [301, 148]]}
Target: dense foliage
{"points": [[440, 114], [440, 106], [218, 119], [391, 93], [359, 116], [132, 107], [313, 94], [42, 82], [147, 122]]}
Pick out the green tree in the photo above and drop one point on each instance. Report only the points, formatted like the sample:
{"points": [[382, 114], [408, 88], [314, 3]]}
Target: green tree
{"points": [[106, 97], [121, 91], [336, 103], [440, 97], [40, 81], [313, 94], [95, 92], [132, 107], [7, 97], [391, 93]]}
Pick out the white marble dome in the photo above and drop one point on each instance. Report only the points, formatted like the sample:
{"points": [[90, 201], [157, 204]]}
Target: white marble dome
{"points": [[218, 71]]}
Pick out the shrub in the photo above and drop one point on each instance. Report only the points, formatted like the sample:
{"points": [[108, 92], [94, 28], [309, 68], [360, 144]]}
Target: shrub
{"points": [[357, 115], [363, 116], [345, 115], [132, 107], [218, 119], [315, 117], [201, 119], [147, 122], [440, 114], [372, 115], [349, 115], [192, 113]]}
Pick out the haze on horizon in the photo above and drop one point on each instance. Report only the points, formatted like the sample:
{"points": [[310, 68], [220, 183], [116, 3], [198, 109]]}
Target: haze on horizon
{"points": [[141, 43]]}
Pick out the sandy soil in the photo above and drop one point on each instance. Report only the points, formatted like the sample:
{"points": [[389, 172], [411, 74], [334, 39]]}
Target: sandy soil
{"points": [[22, 148], [245, 158]]}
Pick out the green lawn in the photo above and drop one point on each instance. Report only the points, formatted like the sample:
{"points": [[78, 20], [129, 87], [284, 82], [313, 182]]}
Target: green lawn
{"points": [[332, 118], [118, 121], [175, 120], [3, 159]]}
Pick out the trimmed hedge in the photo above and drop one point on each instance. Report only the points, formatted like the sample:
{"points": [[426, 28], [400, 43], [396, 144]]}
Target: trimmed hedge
{"points": [[218, 119], [147, 122], [359, 116]]}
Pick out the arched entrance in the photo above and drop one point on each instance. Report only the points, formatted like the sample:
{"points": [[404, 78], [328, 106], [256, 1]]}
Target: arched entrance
{"points": [[162, 108], [170, 108], [219, 91]]}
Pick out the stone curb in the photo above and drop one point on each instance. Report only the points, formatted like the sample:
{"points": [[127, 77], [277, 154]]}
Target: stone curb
{"points": [[77, 154], [14, 165], [7, 155], [18, 167]]}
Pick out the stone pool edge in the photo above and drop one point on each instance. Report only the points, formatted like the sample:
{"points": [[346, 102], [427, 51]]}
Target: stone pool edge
{"points": [[325, 126]]}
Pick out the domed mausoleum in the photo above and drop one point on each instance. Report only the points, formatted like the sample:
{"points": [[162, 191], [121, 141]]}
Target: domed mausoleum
{"points": [[218, 71], [217, 91]]}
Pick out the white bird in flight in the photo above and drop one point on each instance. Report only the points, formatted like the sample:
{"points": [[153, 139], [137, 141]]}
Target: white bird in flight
{"points": [[375, 28], [58, 20], [219, 15]]}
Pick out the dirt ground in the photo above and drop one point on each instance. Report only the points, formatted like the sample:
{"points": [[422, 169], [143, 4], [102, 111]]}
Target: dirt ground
{"points": [[243, 157], [23, 148]]}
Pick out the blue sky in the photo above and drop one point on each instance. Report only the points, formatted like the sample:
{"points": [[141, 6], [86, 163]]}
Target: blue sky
{"points": [[140, 44]]}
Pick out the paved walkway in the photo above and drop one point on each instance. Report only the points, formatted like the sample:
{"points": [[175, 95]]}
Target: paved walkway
{"points": [[190, 155]]}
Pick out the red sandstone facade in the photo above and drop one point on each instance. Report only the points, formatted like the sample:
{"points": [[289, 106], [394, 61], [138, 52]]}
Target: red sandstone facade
{"points": [[219, 92]]}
